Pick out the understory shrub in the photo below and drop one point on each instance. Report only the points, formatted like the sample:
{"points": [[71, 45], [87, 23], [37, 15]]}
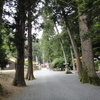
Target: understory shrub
{"points": [[96, 65], [26, 63], [58, 63]]}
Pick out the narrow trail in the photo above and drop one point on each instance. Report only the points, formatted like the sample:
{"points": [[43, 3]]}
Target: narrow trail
{"points": [[52, 85]]}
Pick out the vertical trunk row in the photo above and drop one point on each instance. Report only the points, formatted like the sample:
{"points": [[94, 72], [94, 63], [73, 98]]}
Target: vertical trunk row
{"points": [[29, 75], [67, 70], [73, 45], [60, 40]]}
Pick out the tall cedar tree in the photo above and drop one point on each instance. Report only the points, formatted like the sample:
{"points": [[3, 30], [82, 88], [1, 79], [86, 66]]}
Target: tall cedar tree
{"points": [[29, 74], [88, 74], [65, 15], [19, 36], [30, 9]]}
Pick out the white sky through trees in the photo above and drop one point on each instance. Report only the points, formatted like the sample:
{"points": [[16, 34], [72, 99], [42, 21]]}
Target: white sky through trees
{"points": [[36, 27]]}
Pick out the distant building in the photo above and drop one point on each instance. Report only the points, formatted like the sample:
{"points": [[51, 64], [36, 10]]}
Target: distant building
{"points": [[12, 63]]}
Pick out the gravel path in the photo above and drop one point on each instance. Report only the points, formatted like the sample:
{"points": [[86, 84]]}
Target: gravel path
{"points": [[52, 85]]}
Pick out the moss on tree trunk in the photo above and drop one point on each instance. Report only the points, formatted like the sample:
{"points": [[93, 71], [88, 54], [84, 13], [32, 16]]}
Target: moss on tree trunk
{"points": [[95, 80], [84, 78]]}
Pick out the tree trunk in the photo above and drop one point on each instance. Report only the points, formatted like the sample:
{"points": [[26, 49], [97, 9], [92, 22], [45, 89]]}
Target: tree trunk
{"points": [[29, 74], [19, 38], [73, 45], [88, 75], [67, 70], [19, 75], [72, 58], [1, 10]]}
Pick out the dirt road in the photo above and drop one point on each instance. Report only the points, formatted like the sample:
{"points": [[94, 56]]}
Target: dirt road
{"points": [[52, 85]]}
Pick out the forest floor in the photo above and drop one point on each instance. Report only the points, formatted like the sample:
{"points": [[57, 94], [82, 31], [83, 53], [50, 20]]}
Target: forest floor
{"points": [[6, 79]]}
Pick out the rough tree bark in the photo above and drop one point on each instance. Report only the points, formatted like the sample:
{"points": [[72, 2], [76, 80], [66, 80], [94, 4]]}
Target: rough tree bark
{"points": [[1, 10], [29, 74], [73, 45], [88, 75], [19, 75], [19, 37]]}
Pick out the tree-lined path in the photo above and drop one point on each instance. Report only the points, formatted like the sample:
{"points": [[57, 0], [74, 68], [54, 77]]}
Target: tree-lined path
{"points": [[52, 85]]}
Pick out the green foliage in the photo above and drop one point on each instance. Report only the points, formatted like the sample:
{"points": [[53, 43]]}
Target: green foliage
{"points": [[3, 55], [91, 8], [25, 63], [37, 51], [96, 45], [46, 41], [96, 65], [58, 63]]}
